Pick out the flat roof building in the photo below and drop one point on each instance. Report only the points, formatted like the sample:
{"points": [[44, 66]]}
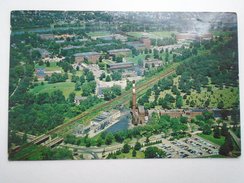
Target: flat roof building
{"points": [[120, 52], [90, 56], [137, 45], [127, 65], [151, 63]]}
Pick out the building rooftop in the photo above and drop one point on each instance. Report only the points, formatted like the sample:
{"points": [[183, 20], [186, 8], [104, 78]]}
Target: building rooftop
{"points": [[136, 44], [86, 54], [121, 64], [40, 72], [104, 44], [71, 47], [119, 50]]}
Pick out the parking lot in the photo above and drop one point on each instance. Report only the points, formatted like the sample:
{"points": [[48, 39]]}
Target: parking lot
{"points": [[192, 147]]}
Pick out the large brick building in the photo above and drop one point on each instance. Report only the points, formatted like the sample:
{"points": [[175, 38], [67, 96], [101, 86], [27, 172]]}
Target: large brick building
{"points": [[146, 41], [142, 44], [90, 56]]}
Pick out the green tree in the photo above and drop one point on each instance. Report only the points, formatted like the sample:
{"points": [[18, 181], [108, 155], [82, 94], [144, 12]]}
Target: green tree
{"points": [[154, 152], [220, 105], [179, 101], [47, 64], [82, 79], [217, 133], [126, 148], [77, 86], [224, 130], [227, 147], [57, 97], [108, 78], [116, 90], [88, 88], [109, 139], [137, 146], [71, 97], [99, 141], [74, 78], [207, 129], [90, 76], [134, 153], [116, 76], [103, 75]]}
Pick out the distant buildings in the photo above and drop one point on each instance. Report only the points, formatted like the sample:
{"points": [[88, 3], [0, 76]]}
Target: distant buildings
{"points": [[120, 52], [111, 37], [146, 41], [153, 63], [71, 47], [117, 66], [41, 73], [78, 99], [137, 45], [176, 113], [102, 85], [46, 36], [98, 124], [104, 120], [129, 73], [140, 45], [90, 56], [193, 36], [186, 36]]}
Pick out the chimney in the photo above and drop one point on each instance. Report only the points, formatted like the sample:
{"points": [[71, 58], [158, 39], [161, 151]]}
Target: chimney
{"points": [[134, 96]]}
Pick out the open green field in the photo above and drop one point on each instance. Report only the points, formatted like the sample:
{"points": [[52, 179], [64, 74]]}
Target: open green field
{"points": [[65, 87], [153, 35], [210, 138], [128, 155]]}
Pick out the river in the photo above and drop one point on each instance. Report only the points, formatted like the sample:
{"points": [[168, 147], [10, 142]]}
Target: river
{"points": [[122, 124]]}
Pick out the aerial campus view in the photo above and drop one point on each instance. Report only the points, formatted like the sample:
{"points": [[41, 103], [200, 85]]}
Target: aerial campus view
{"points": [[123, 85]]}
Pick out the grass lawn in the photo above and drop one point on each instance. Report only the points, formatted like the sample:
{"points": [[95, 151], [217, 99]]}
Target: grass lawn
{"points": [[65, 87], [210, 138], [139, 155]]}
